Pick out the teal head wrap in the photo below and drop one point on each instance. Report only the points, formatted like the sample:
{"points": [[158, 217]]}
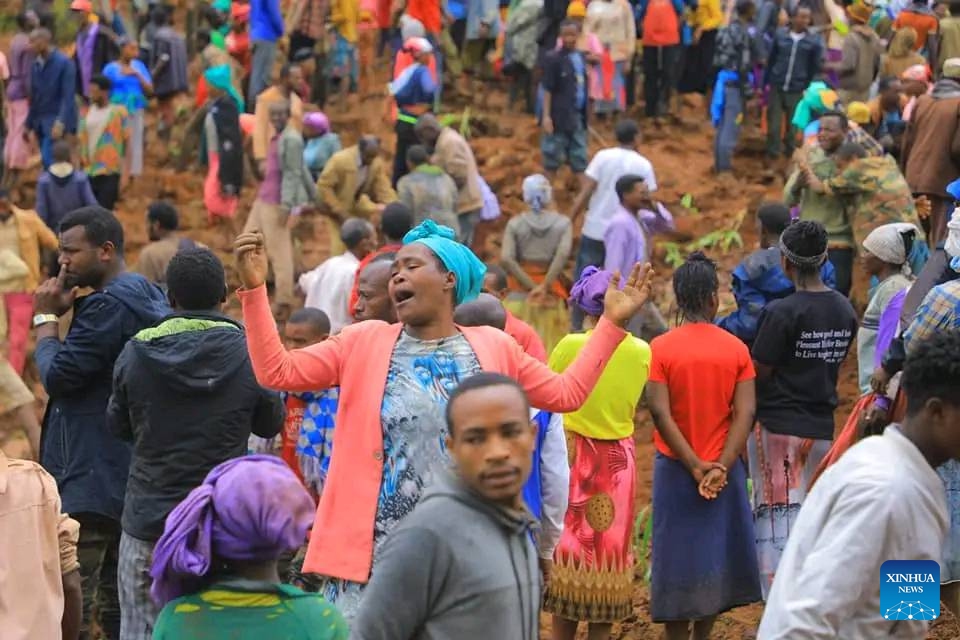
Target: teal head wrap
{"points": [[817, 99], [455, 257], [223, 6], [221, 78]]}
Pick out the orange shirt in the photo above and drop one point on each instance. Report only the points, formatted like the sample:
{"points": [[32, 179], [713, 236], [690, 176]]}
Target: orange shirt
{"points": [[923, 23], [701, 364], [427, 12]]}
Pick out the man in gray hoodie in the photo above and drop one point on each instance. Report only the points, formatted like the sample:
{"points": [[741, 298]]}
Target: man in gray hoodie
{"points": [[463, 564]]}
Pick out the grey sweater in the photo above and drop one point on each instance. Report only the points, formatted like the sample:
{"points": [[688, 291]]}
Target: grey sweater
{"points": [[457, 567]]}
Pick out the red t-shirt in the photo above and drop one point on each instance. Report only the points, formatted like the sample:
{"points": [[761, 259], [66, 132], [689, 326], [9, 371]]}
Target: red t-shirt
{"points": [[701, 364], [427, 12], [291, 433], [354, 292], [526, 336]]}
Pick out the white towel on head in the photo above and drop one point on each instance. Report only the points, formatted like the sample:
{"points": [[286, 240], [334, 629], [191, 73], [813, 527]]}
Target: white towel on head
{"points": [[886, 242], [952, 244]]}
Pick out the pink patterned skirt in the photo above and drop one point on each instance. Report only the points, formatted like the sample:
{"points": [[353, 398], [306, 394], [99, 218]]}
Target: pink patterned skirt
{"points": [[592, 577], [16, 152]]}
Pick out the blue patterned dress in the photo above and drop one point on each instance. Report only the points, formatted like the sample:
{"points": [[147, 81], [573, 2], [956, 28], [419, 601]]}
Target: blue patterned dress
{"points": [[421, 376]]}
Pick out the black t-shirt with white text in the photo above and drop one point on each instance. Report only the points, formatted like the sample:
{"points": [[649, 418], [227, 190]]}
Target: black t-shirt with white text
{"points": [[805, 337]]}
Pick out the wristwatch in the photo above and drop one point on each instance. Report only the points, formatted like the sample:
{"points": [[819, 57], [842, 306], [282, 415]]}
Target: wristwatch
{"points": [[44, 318]]}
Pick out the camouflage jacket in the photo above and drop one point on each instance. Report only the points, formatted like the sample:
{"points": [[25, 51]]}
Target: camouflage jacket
{"points": [[431, 194], [874, 192]]}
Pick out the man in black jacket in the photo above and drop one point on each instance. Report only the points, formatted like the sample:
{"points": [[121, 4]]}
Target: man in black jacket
{"points": [[90, 465], [185, 394], [795, 60]]}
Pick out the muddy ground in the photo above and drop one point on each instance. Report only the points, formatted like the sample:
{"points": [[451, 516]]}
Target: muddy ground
{"points": [[506, 146]]}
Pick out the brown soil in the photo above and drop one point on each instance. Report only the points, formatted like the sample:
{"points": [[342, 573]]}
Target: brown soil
{"points": [[506, 146]]}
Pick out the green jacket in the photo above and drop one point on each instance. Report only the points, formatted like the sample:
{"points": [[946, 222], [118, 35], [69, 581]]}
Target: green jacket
{"points": [[827, 209]]}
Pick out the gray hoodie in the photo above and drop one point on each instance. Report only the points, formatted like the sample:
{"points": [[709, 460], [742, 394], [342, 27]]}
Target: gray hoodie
{"points": [[457, 567]]}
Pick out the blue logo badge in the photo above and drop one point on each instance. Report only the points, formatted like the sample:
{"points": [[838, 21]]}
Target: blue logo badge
{"points": [[910, 590]]}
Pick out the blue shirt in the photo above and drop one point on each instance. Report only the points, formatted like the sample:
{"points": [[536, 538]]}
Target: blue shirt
{"points": [[266, 21], [126, 90]]}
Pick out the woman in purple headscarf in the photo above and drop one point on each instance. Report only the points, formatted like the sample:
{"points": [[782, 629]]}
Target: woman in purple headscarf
{"points": [[592, 576], [215, 567], [322, 143]]}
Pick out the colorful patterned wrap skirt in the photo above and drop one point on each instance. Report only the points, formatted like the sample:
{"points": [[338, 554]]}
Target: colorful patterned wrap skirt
{"points": [[592, 578], [782, 469]]}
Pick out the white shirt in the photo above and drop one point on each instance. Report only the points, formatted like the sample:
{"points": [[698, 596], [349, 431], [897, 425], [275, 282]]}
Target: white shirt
{"points": [[608, 166], [328, 288], [554, 484], [881, 501]]}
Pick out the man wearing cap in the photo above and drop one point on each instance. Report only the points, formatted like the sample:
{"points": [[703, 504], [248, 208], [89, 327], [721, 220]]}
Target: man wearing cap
{"points": [[862, 49], [931, 148], [414, 89], [95, 45]]}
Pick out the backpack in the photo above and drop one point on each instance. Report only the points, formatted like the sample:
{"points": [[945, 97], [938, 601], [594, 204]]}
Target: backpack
{"points": [[661, 24]]}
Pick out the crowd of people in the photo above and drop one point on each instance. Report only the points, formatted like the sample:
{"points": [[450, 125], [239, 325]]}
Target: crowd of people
{"points": [[407, 442]]}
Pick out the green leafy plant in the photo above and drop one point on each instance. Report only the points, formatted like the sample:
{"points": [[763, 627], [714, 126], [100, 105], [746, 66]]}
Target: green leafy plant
{"points": [[674, 254], [722, 238], [686, 201], [642, 534]]}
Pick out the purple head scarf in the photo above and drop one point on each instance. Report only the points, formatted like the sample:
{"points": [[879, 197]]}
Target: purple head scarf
{"points": [[250, 508], [318, 121], [590, 289]]}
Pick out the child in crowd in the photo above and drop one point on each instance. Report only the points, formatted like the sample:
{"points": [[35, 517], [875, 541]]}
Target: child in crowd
{"points": [[462, 564], [307, 436], [759, 280], [701, 397], [62, 188], [801, 342]]}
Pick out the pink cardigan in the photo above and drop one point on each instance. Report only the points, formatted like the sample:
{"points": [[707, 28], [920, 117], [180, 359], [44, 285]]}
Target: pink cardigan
{"points": [[357, 359]]}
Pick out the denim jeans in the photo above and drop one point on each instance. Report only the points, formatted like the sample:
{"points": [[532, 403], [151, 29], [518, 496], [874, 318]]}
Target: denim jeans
{"points": [[728, 132], [264, 54], [591, 252]]}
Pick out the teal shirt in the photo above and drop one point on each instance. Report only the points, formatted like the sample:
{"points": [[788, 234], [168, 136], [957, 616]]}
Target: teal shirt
{"points": [[241, 609]]}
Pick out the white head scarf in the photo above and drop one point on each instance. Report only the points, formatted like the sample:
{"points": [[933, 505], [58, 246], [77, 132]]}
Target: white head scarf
{"points": [[537, 192], [887, 243]]}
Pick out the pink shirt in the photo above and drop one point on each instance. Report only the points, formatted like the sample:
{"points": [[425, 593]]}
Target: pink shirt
{"points": [[357, 359]]}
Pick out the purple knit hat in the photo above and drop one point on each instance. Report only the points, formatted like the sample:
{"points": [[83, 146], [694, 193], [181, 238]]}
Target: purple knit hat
{"points": [[590, 289], [250, 508]]}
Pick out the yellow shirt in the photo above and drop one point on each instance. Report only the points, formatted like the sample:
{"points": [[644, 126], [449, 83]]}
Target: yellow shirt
{"points": [[708, 15], [345, 16], [608, 412]]}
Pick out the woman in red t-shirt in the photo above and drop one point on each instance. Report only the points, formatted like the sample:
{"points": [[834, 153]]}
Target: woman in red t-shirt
{"points": [[702, 399]]}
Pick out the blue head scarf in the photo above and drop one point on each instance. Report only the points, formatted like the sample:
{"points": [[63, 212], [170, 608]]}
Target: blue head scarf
{"points": [[454, 256], [220, 77]]}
